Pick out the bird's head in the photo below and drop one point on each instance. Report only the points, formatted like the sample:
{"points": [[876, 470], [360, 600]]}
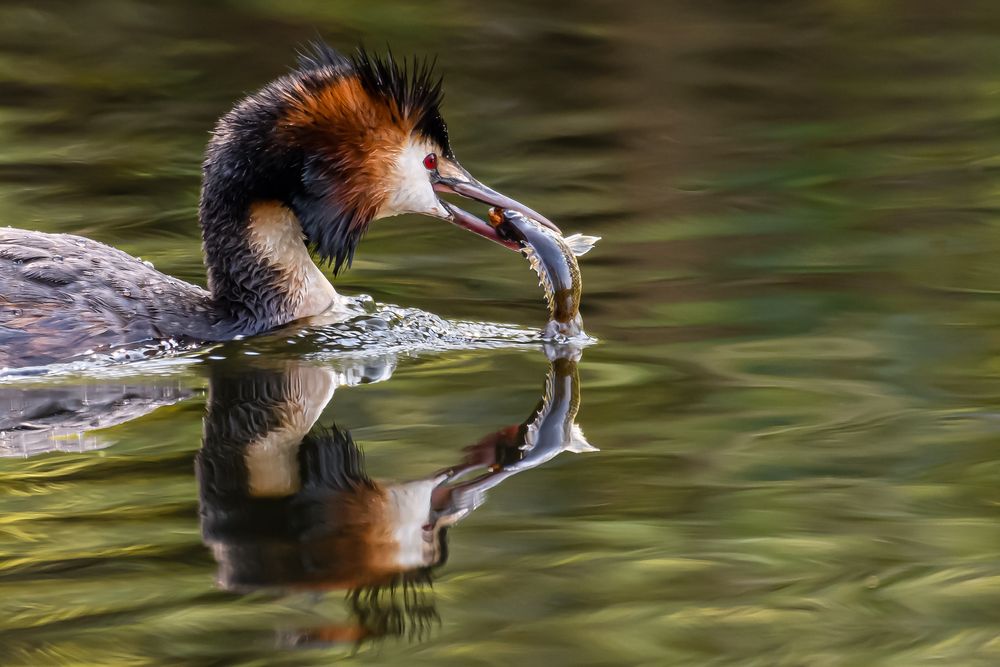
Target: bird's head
{"points": [[345, 140]]}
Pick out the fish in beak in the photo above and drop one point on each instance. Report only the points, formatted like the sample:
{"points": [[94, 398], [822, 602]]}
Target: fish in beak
{"points": [[451, 178]]}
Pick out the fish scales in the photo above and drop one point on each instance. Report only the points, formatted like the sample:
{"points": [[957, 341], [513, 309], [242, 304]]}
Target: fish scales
{"points": [[553, 259]]}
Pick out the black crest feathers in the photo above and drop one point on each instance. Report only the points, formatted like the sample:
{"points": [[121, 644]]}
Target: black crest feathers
{"points": [[411, 84], [318, 54]]}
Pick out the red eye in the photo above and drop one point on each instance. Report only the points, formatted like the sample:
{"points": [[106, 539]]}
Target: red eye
{"points": [[431, 161]]}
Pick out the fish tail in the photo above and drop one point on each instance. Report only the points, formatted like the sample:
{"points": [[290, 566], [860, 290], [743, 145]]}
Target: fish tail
{"points": [[578, 442], [580, 244]]}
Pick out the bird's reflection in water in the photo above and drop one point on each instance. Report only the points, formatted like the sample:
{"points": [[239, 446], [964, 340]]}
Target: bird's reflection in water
{"points": [[286, 504], [66, 417]]}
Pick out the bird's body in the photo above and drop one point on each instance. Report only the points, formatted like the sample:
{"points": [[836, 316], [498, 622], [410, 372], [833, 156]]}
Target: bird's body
{"points": [[303, 165], [64, 295]]}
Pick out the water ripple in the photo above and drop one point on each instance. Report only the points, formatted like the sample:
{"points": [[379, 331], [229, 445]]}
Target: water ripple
{"points": [[371, 330]]}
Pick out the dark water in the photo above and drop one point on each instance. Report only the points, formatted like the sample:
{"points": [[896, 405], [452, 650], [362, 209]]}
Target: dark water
{"points": [[796, 393]]}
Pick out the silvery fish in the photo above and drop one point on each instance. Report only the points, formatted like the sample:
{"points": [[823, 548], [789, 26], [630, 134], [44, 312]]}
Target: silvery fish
{"points": [[553, 258]]}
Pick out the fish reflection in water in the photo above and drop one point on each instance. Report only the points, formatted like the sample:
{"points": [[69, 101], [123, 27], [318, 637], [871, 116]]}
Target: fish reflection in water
{"points": [[287, 506]]}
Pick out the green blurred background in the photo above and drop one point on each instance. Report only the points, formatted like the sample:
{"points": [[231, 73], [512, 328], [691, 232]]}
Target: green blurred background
{"points": [[796, 386]]}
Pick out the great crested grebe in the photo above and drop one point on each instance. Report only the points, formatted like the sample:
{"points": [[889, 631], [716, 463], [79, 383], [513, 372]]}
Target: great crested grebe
{"points": [[306, 163]]}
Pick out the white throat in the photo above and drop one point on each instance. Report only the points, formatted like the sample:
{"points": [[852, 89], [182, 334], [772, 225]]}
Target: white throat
{"points": [[410, 189], [277, 235]]}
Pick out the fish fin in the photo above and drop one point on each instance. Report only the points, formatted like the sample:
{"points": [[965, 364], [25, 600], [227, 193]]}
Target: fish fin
{"points": [[580, 244], [544, 281], [578, 442]]}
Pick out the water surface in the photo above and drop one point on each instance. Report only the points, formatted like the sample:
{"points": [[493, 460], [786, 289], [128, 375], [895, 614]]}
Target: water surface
{"points": [[796, 393]]}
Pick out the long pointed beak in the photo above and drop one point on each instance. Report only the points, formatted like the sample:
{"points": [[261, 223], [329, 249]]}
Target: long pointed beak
{"points": [[466, 220], [457, 181]]}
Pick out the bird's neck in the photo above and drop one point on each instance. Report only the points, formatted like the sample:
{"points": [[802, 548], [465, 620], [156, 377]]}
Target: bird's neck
{"points": [[276, 239], [260, 272]]}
